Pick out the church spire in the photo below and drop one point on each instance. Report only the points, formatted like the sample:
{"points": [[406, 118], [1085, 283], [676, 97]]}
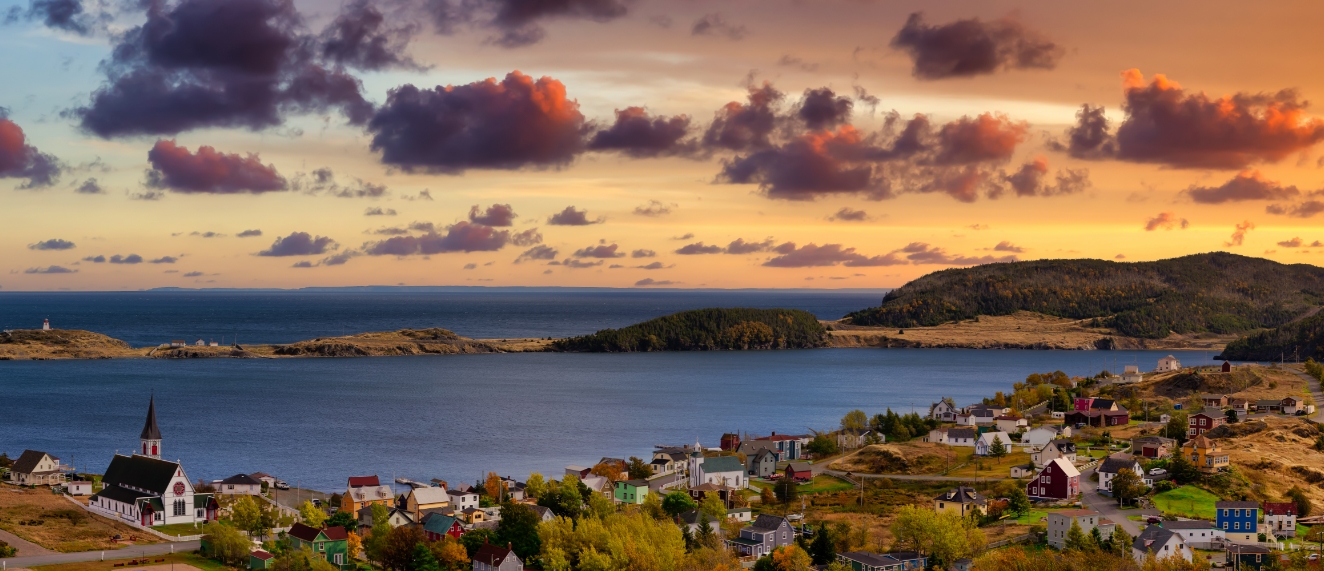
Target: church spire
{"points": [[151, 435]]}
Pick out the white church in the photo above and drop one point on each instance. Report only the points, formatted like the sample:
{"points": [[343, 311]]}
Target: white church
{"points": [[149, 491]]}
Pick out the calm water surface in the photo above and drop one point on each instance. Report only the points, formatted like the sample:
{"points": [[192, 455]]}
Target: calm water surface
{"points": [[316, 421]]}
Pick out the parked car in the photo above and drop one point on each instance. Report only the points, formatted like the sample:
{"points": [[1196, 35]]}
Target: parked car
{"points": [[281, 485], [1153, 519], [317, 502]]}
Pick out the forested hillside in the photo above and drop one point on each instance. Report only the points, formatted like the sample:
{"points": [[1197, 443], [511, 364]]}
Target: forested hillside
{"points": [[708, 330], [1300, 340], [1215, 292]]}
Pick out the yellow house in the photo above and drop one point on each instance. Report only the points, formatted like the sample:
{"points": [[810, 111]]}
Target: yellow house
{"points": [[474, 515], [1205, 454], [962, 501], [420, 499], [364, 491]]}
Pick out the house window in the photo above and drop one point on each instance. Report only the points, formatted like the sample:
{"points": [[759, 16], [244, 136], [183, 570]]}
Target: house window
{"points": [[1236, 525], [339, 558], [1224, 525], [179, 508]]}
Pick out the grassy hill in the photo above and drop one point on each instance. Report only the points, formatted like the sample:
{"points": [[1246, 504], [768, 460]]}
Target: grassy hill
{"points": [[708, 330], [1215, 292], [1303, 339]]}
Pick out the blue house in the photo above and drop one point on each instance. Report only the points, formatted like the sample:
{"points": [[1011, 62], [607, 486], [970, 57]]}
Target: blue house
{"points": [[1238, 520]]}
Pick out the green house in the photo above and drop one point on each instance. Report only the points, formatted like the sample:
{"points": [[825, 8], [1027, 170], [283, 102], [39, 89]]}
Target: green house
{"points": [[331, 544], [260, 560], [631, 491]]}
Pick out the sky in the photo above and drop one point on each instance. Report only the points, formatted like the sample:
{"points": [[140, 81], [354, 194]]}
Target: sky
{"points": [[644, 143]]}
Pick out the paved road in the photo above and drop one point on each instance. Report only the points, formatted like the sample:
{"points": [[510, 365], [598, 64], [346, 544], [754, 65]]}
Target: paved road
{"points": [[24, 546], [915, 478], [1315, 391], [1107, 507], [126, 553]]}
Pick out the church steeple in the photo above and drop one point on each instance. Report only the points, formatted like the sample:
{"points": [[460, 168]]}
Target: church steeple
{"points": [[151, 436]]}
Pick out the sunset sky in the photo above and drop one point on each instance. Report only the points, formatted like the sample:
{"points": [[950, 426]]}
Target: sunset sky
{"points": [[645, 143]]}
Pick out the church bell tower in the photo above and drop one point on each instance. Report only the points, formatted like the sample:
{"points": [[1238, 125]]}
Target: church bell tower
{"points": [[151, 436]]}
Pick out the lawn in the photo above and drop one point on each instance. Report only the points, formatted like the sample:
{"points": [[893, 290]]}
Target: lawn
{"points": [[992, 468], [109, 564], [820, 483], [1188, 501], [179, 529], [55, 523], [1032, 517]]}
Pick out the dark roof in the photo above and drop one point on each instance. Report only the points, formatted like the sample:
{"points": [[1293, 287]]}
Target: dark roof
{"points": [[243, 479], [139, 472], [1236, 505], [962, 495], [1152, 535], [767, 522], [361, 481], [1189, 524], [1101, 403], [27, 462], [1268, 402], [1114, 464], [722, 464], [800, 467], [150, 430], [1155, 439], [1064, 445], [122, 495], [962, 433], [304, 532], [335, 533], [492, 555], [1239, 548], [1279, 508]]}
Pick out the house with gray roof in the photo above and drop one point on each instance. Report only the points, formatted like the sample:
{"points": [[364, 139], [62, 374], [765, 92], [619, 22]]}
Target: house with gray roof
{"points": [[764, 535], [719, 470], [1161, 542], [763, 463], [1111, 465]]}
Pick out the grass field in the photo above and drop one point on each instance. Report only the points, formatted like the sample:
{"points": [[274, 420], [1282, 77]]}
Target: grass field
{"points": [[181, 559], [1188, 501], [1032, 517], [992, 468], [178, 529], [63, 526], [820, 483]]}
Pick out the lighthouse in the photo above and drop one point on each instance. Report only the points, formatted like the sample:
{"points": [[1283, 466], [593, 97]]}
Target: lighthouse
{"points": [[45, 325]]}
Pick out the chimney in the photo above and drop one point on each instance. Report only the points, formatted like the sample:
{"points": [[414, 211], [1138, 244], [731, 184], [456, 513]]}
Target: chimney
{"points": [[774, 433]]}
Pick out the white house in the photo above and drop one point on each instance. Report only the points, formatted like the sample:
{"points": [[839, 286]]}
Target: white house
{"points": [[1168, 364], [239, 484], [1010, 423], [960, 436], [148, 491], [80, 488], [1041, 435], [1059, 524], [462, 500], [1109, 468], [944, 410], [984, 446], [36, 468], [964, 419], [1161, 542], [1130, 375], [1197, 533], [1280, 518], [720, 470], [1060, 448]]}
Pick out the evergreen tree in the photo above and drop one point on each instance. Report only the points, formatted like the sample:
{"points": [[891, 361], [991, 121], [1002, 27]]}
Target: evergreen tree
{"points": [[1182, 470], [423, 559], [1120, 542], [706, 537], [519, 528], [822, 549], [1096, 539], [997, 449], [1076, 538]]}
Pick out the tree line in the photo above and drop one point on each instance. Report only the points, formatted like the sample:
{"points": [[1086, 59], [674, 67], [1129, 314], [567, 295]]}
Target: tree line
{"points": [[716, 329]]}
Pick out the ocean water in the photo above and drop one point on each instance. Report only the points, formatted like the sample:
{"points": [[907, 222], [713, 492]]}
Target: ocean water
{"points": [[317, 421], [154, 317]]}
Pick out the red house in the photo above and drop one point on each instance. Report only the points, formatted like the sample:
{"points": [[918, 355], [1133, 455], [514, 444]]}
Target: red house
{"points": [[1201, 423], [437, 526], [1098, 417], [1059, 480], [1082, 404], [799, 471], [730, 441]]}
